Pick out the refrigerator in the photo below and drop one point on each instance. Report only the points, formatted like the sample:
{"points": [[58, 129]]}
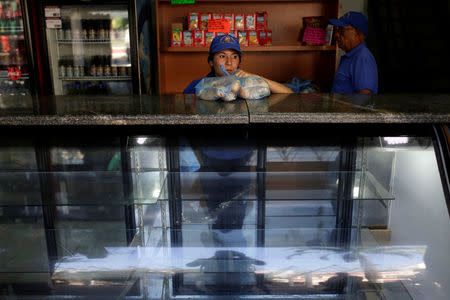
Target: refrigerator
{"points": [[15, 62], [90, 48]]}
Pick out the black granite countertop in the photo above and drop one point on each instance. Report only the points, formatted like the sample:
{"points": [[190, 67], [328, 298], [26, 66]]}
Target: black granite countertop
{"points": [[186, 109]]}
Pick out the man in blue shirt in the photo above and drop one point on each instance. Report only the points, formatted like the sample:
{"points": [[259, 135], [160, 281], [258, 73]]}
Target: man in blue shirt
{"points": [[225, 51], [357, 71]]}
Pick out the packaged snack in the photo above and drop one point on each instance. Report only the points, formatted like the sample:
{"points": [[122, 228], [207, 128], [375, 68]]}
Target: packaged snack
{"points": [[214, 88], [268, 37], [204, 18], [253, 88], [217, 16], [193, 20], [209, 36], [176, 38], [262, 37], [242, 37], [233, 33], [199, 38], [239, 22], [253, 38], [261, 20], [250, 22], [188, 40], [231, 18]]}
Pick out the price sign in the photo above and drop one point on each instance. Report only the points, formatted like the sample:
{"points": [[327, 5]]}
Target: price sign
{"points": [[14, 73], [52, 11], [53, 23], [182, 1], [221, 25]]}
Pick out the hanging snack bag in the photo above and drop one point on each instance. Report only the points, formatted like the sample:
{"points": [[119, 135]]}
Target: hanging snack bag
{"points": [[193, 21], [268, 37], [199, 38], [262, 37], [209, 36], [261, 20], [242, 37], [239, 23], [188, 40], [253, 38], [204, 18], [215, 88], [250, 22], [231, 18], [253, 88], [176, 38]]}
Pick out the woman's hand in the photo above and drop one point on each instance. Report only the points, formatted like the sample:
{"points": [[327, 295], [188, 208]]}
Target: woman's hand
{"points": [[243, 74]]}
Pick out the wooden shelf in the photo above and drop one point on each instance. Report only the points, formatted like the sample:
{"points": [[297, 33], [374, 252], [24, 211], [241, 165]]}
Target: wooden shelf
{"points": [[273, 48]]}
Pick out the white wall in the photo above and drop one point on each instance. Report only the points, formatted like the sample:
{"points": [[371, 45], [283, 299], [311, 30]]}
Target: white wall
{"points": [[354, 5]]}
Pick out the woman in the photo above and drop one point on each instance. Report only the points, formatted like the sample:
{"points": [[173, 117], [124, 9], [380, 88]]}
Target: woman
{"points": [[225, 51]]}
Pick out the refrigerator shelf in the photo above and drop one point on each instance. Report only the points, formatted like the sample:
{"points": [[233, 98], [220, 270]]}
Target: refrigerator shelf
{"points": [[98, 78], [83, 41], [12, 32]]}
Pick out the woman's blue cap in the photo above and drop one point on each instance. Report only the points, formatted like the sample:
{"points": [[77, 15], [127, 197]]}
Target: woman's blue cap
{"points": [[353, 18], [223, 42]]}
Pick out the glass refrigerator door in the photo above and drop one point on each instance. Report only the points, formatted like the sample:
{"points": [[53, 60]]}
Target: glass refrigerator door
{"points": [[90, 53], [14, 76]]}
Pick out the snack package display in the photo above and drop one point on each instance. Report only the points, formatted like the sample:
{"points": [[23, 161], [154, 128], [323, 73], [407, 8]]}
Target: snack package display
{"points": [[268, 37], [231, 18], [261, 20], [209, 36], [193, 20], [262, 38], [239, 22], [188, 40], [214, 88], [242, 37], [176, 38], [233, 33], [199, 38], [253, 38], [253, 88], [250, 22], [204, 18]]}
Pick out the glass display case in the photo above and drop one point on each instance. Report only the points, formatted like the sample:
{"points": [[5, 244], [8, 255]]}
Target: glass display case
{"points": [[155, 216]]}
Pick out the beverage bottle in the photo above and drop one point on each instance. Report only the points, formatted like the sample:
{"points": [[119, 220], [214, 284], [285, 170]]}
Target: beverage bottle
{"points": [[101, 29], [68, 31], [92, 31], [84, 29], [69, 68], [93, 67], [60, 32], [107, 29], [107, 70], [100, 66], [62, 68]]}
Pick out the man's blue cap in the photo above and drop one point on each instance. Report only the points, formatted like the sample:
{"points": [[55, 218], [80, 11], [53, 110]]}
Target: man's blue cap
{"points": [[353, 18], [223, 42]]}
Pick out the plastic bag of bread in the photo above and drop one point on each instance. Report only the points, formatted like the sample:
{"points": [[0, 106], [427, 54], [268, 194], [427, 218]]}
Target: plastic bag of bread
{"points": [[214, 88], [253, 88]]}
